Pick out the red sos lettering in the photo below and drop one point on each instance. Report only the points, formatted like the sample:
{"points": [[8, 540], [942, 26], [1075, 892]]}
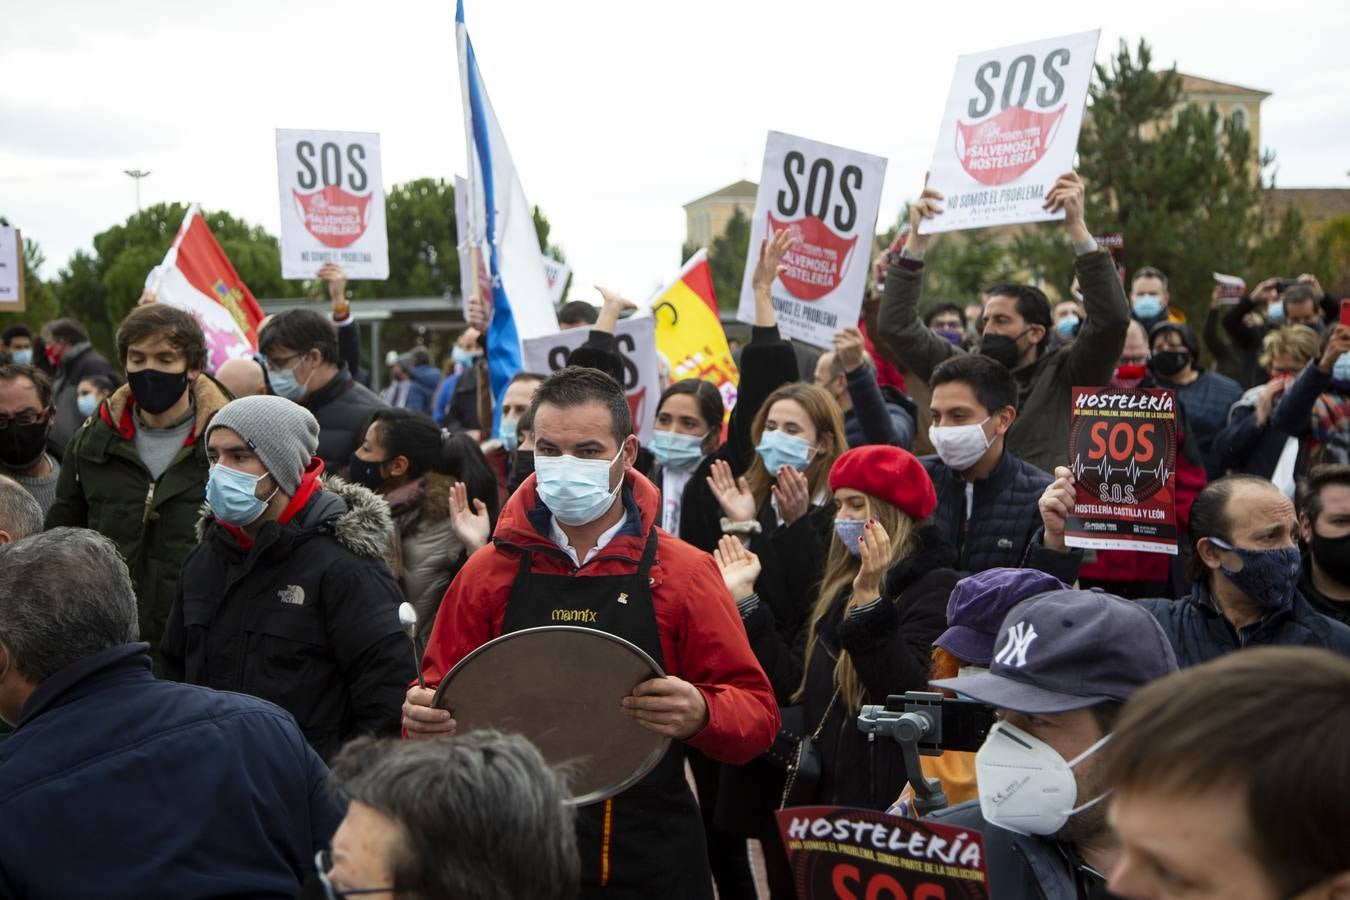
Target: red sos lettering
{"points": [[847, 880], [1123, 441], [1018, 81], [324, 166], [819, 197]]}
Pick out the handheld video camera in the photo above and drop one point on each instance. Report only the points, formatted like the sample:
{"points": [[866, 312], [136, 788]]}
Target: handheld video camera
{"points": [[927, 724]]}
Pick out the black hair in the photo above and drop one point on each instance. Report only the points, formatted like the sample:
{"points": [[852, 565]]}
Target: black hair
{"points": [[1210, 517], [1032, 305], [41, 382], [1310, 487], [577, 312], [1298, 293], [105, 383], [464, 460], [1186, 332], [993, 385], [705, 394], [68, 330], [416, 437], [419, 356], [1150, 272], [941, 308], [15, 331], [575, 385], [301, 330]]}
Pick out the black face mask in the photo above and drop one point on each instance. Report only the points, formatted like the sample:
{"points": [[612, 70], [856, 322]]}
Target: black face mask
{"points": [[1169, 362], [366, 474], [157, 391], [1001, 349], [23, 445], [1332, 556]]}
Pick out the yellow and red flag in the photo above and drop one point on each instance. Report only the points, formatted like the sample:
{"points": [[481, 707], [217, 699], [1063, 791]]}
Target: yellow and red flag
{"points": [[689, 332]]}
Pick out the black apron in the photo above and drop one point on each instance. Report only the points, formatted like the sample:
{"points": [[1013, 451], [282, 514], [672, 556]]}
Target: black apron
{"points": [[648, 841]]}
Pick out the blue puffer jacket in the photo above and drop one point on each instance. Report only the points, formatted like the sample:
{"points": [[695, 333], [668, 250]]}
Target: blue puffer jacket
{"points": [[118, 785], [1199, 632], [1005, 521]]}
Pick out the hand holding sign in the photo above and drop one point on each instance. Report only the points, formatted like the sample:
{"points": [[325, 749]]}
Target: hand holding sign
{"points": [[1067, 197], [926, 207], [769, 267]]}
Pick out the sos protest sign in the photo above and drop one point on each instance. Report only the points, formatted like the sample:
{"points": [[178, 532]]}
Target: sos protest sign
{"points": [[1010, 129], [636, 338], [332, 203], [1123, 454], [851, 854], [828, 197], [11, 269]]}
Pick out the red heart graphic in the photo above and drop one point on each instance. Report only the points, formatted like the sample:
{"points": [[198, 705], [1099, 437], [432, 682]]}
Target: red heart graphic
{"points": [[817, 263], [1001, 148], [334, 216]]}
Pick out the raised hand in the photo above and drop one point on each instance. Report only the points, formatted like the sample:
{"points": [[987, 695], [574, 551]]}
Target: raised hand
{"points": [[611, 311], [876, 559], [473, 527], [1067, 195], [927, 206], [771, 253], [1056, 504], [849, 345], [733, 494], [740, 568], [792, 493], [421, 719]]}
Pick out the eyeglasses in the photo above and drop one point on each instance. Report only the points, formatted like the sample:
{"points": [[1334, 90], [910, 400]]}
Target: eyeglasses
{"points": [[280, 365], [323, 863], [23, 419]]}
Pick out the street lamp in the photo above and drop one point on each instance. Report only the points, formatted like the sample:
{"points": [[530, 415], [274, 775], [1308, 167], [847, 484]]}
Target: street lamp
{"points": [[137, 175]]}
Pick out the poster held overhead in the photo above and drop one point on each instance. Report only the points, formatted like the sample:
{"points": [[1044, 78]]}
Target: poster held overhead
{"points": [[1010, 129], [332, 204], [828, 197], [11, 269]]}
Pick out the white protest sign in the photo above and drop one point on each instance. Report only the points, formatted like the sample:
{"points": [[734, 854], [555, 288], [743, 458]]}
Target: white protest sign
{"points": [[828, 197], [332, 203], [11, 269], [557, 274], [636, 338], [1010, 129]]}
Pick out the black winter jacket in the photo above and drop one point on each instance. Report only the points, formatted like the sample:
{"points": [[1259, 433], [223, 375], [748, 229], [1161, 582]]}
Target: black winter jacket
{"points": [[1019, 866], [80, 362], [1005, 520], [342, 407], [306, 618]]}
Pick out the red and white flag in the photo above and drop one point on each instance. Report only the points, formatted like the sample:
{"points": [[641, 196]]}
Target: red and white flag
{"points": [[196, 276]]}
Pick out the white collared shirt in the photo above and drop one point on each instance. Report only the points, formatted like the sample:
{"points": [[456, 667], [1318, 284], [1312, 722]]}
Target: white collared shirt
{"points": [[559, 537]]}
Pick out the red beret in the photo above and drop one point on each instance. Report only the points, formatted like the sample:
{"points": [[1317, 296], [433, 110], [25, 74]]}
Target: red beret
{"points": [[887, 473]]}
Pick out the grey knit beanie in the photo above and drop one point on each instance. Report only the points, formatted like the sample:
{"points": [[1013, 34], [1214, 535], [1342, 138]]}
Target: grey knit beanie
{"points": [[284, 435]]}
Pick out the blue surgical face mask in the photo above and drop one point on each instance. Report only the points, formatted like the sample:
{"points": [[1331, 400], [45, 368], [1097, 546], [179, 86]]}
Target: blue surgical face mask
{"points": [[1275, 313], [233, 495], [87, 404], [849, 532], [1067, 326], [677, 451], [1340, 369], [575, 490], [778, 449], [1269, 577], [284, 383], [462, 357], [21, 357], [507, 430], [1147, 306]]}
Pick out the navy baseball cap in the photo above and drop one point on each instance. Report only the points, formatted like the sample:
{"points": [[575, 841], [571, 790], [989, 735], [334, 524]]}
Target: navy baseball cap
{"points": [[1069, 650], [978, 605]]}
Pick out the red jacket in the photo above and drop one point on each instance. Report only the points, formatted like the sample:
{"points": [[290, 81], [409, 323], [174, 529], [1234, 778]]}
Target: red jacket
{"points": [[702, 637]]}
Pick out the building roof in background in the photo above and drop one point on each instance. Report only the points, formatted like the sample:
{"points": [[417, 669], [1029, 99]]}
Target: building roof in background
{"points": [[1194, 84], [1317, 204], [740, 190]]}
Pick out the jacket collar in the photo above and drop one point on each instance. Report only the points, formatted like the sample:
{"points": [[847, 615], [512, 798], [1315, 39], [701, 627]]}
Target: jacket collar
{"points": [[330, 390], [123, 663]]}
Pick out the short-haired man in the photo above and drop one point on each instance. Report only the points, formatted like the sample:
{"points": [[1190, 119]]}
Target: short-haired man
{"points": [[16, 345], [117, 785], [243, 377], [1229, 781], [476, 815], [287, 597], [136, 470], [303, 364], [584, 527], [1324, 523], [1017, 327], [1151, 300], [873, 414], [986, 495], [1205, 396], [1244, 568], [1068, 315], [26, 419], [947, 320], [20, 514], [72, 359], [1065, 662]]}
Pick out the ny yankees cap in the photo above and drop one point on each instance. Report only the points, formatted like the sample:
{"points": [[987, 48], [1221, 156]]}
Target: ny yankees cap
{"points": [[1066, 650]]}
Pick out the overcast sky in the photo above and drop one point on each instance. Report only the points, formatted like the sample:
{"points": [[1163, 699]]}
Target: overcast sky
{"points": [[617, 113]]}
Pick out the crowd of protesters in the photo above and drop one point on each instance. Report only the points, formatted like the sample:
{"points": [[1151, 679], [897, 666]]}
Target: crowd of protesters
{"points": [[201, 573]]}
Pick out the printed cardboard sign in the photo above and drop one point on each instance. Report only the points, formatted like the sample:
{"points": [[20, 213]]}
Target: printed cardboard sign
{"points": [[1010, 129], [838, 853], [332, 203], [828, 198], [1123, 454], [11, 269]]}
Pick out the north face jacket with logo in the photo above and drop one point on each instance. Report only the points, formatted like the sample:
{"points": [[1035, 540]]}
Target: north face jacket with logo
{"points": [[305, 615]]}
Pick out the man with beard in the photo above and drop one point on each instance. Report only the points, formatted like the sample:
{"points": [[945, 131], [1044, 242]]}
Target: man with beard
{"points": [[1064, 664], [1324, 520], [26, 418], [1017, 328]]}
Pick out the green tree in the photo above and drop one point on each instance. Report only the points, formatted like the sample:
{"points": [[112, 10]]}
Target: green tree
{"points": [[958, 267], [543, 228], [726, 259]]}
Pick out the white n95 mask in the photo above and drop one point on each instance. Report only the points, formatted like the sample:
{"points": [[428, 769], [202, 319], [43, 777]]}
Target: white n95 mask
{"points": [[1025, 786]]}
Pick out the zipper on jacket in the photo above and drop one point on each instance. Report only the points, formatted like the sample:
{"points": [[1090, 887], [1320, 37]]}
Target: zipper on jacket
{"points": [[149, 499]]}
